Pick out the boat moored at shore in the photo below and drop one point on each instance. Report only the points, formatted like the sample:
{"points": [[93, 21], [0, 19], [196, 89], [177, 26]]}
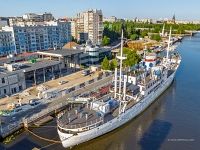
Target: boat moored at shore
{"points": [[130, 94]]}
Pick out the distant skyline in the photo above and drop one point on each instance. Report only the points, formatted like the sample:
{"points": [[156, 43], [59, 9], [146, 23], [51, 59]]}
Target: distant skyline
{"points": [[155, 9]]}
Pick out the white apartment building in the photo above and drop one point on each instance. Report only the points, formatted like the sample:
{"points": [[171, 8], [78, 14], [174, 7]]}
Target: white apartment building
{"points": [[3, 22], [110, 19], [49, 35], [7, 43], [74, 29], [11, 82], [91, 22], [38, 17], [18, 76]]}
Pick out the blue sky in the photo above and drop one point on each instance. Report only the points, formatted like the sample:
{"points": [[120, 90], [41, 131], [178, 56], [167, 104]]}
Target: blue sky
{"points": [[184, 9]]}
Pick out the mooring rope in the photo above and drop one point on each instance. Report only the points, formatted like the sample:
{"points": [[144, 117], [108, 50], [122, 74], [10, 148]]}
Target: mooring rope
{"points": [[42, 138]]}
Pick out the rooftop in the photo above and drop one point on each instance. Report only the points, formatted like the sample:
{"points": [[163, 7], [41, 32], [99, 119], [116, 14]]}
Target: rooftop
{"points": [[61, 52], [40, 64], [70, 45], [27, 66], [132, 87], [16, 58]]}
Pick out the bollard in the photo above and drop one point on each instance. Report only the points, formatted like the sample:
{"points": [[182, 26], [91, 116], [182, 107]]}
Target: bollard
{"points": [[25, 122]]}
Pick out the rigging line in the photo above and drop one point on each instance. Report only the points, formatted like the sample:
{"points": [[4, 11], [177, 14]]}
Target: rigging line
{"points": [[43, 131], [42, 138]]}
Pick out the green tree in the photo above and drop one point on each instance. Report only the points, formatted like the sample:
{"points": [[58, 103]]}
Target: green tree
{"points": [[180, 30], [157, 29], [132, 57], [105, 41], [105, 64], [113, 64], [73, 39], [156, 37], [144, 33], [134, 37]]}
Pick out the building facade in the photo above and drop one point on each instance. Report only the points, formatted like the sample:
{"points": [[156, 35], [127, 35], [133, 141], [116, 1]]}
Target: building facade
{"points": [[38, 17], [78, 56], [11, 83], [96, 54], [51, 35], [7, 43], [74, 29], [3, 22], [18, 76], [91, 22], [110, 19]]}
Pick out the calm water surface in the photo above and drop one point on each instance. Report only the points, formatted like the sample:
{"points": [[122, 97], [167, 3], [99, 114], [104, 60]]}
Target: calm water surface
{"points": [[171, 123]]}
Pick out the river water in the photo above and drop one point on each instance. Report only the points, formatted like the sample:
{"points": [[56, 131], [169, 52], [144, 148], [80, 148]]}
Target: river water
{"points": [[171, 123]]}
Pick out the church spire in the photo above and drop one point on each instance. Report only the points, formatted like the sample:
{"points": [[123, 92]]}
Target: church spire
{"points": [[174, 19]]}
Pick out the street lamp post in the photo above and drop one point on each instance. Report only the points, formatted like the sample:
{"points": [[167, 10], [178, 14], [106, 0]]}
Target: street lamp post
{"points": [[1, 127]]}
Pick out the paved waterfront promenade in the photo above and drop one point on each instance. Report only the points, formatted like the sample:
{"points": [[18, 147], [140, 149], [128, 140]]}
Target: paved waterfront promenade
{"points": [[47, 106]]}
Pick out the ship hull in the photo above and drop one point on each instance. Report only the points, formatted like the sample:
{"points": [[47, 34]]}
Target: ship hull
{"points": [[72, 140]]}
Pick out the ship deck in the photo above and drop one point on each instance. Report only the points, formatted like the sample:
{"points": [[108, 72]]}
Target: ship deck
{"points": [[78, 116]]}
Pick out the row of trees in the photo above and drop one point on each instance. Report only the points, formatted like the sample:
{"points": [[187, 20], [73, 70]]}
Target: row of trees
{"points": [[113, 31], [132, 59], [133, 30], [156, 37], [109, 65]]}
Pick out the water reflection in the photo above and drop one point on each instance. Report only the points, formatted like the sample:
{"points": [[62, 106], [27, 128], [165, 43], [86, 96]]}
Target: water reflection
{"points": [[153, 138]]}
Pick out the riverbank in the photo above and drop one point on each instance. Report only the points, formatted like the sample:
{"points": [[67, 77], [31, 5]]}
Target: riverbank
{"points": [[174, 116]]}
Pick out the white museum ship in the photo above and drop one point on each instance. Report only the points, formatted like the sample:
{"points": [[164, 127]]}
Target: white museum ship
{"points": [[130, 94]]}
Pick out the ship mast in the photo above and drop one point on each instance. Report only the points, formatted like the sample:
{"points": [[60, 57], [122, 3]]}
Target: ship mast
{"points": [[169, 42], [163, 31], [121, 58], [120, 68]]}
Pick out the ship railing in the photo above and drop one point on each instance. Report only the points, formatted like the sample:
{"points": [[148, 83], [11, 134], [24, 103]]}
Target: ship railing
{"points": [[80, 125]]}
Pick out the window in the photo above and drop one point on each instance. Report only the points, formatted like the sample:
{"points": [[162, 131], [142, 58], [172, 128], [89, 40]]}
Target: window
{"points": [[14, 90], [20, 88], [5, 91], [3, 80]]}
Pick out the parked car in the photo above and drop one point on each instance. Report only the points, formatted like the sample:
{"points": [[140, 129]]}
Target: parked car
{"points": [[62, 82], [85, 72]]}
